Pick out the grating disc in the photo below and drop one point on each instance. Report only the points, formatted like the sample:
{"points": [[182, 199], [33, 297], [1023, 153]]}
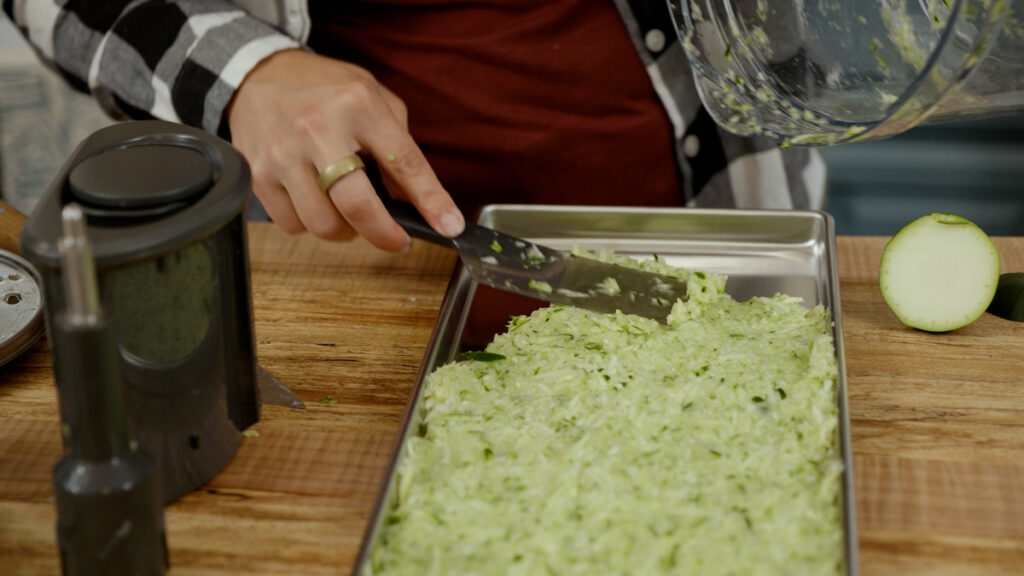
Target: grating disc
{"points": [[21, 306]]}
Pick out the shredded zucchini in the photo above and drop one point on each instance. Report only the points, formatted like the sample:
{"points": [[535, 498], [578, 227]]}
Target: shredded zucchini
{"points": [[609, 444]]}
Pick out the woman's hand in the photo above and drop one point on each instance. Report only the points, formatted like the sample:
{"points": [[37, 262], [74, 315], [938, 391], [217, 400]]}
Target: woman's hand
{"points": [[297, 113]]}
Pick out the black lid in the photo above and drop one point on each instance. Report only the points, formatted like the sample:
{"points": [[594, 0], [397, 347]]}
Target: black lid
{"points": [[147, 187], [141, 176]]}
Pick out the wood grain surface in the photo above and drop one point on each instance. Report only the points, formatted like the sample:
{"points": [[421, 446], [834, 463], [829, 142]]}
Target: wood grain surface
{"points": [[937, 423], [11, 222]]}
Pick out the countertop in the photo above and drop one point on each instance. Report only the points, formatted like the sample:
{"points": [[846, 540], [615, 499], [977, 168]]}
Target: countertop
{"points": [[937, 422]]}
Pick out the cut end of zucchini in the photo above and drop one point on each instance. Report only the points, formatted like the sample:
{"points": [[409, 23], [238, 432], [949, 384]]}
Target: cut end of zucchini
{"points": [[939, 273], [1008, 302]]}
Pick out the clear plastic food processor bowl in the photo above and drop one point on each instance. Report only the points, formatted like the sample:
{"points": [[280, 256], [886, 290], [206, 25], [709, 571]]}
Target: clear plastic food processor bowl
{"points": [[823, 72]]}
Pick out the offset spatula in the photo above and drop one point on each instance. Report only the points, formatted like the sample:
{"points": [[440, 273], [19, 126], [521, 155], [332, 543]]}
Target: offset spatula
{"points": [[523, 267]]}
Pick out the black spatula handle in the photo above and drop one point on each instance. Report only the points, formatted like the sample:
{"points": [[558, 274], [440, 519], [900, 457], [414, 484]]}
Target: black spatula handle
{"points": [[410, 219]]}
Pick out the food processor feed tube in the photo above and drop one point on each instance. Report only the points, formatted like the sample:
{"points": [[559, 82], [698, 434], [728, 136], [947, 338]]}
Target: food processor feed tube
{"points": [[820, 73], [109, 513]]}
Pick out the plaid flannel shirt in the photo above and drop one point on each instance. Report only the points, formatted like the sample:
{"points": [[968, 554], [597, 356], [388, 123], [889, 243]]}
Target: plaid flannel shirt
{"points": [[182, 60]]}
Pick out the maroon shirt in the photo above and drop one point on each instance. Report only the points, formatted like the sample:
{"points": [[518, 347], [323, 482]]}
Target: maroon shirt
{"points": [[535, 101]]}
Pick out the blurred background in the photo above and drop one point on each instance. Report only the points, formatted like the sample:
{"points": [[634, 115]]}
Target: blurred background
{"points": [[41, 121], [973, 168]]}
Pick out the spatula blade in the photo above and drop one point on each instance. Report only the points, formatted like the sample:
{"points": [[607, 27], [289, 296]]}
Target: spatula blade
{"points": [[517, 265]]}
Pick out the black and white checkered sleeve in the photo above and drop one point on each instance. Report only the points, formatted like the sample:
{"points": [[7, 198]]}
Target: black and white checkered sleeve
{"points": [[178, 60]]}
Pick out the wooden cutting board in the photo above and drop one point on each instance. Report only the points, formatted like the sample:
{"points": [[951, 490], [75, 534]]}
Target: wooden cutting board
{"points": [[937, 422], [11, 222]]}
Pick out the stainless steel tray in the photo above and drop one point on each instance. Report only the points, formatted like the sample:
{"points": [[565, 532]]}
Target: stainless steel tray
{"points": [[762, 252]]}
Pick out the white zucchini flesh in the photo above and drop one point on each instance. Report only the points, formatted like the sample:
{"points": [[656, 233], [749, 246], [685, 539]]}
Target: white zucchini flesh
{"points": [[939, 273]]}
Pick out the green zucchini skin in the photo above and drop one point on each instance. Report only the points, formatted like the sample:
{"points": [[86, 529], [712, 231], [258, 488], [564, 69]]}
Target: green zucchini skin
{"points": [[1008, 302]]}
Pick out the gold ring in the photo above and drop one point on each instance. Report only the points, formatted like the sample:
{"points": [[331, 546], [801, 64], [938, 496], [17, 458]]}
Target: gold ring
{"points": [[340, 169]]}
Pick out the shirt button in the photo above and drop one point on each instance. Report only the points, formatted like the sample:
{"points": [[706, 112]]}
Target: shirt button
{"points": [[691, 146], [655, 40]]}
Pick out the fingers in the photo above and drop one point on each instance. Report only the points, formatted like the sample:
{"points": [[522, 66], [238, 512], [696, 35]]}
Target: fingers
{"points": [[314, 207], [277, 204], [354, 197], [409, 175], [379, 125], [397, 107], [348, 207], [297, 113]]}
